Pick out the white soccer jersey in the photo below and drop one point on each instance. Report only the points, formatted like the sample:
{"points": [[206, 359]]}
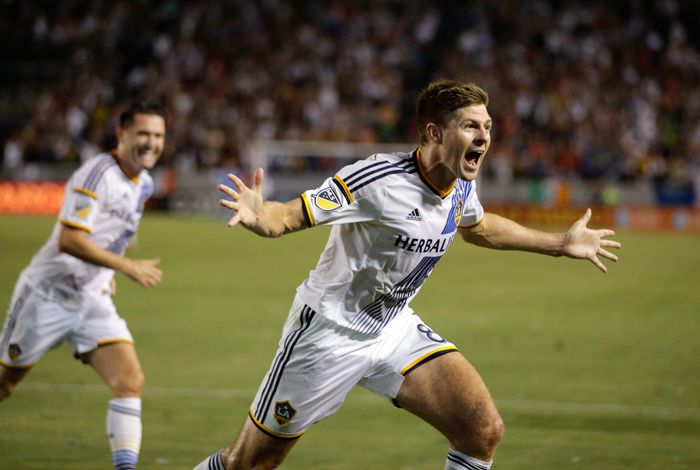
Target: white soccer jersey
{"points": [[390, 228], [103, 201]]}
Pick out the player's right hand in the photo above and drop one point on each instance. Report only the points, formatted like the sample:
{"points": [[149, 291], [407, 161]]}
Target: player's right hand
{"points": [[245, 202], [144, 271]]}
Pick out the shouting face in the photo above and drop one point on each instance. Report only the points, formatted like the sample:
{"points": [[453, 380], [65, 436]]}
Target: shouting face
{"points": [[466, 139]]}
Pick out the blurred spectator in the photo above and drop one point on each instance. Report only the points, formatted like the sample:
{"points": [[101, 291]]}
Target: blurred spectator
{"points": [[605, 91]]}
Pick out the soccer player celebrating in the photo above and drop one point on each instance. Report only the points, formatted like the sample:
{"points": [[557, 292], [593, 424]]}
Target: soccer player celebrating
{"points": [[65, 292], [393, 217]]}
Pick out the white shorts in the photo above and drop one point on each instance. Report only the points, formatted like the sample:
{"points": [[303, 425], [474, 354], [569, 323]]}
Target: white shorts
{"points": [[35, 324], [318, 362]]}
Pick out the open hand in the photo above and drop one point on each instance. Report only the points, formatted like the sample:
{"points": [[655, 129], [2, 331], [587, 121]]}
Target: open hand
{"points": [[584, 243], [246, 202]]}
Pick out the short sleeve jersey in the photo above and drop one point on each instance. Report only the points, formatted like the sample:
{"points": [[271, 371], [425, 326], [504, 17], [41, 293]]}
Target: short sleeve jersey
{"points": [[390, 228], [103, 201]]}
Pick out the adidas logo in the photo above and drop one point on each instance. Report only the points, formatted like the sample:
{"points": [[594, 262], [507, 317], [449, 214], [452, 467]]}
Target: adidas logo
{"points": [[414, 215]]}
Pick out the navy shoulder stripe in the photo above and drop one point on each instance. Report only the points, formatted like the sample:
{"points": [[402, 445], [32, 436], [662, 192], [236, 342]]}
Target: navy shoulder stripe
{"points": [[377, 171], [350, 179], [96, 173]]}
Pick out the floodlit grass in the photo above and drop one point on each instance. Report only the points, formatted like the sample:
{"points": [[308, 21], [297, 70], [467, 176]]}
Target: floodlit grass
{"points": [[590, 371]]}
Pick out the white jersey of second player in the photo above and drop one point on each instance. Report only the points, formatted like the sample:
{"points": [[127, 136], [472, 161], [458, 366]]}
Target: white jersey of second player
{"points": [[391, 226], [103, 201]]}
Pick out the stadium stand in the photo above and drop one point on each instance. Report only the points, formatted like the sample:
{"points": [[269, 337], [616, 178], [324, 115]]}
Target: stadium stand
{"points": [[599, 92]]}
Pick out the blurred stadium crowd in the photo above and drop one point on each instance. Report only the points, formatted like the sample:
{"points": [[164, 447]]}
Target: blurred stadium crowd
{"points": [[594, 90]]}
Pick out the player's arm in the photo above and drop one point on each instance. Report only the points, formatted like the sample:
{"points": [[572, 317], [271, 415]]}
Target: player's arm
{"points": [[265, 218], [76, 242], [494, 231]]}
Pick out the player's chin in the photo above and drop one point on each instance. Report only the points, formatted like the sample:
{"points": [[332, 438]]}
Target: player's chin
{"points": [[469, 174], [148, 161]]}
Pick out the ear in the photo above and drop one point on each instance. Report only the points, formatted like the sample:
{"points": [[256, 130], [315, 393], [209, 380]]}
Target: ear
{"points": [[434, 133], [120, 134]]}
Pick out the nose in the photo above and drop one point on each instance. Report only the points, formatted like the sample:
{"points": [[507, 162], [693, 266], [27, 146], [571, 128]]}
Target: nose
{"points": [[482, 137]]}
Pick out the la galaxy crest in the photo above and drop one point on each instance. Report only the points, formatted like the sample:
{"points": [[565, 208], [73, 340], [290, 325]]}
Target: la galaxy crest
{"points": [[458, 211], [455, 215], [284, 412], [14, 351], [326, 199]]}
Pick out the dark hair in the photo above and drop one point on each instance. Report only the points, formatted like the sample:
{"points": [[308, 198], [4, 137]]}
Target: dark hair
{"points": [[141, 107], [442, 98]]}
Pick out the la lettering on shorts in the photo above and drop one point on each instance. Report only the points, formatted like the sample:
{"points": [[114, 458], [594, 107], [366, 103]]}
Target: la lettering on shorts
{"points": [[318, 362]]}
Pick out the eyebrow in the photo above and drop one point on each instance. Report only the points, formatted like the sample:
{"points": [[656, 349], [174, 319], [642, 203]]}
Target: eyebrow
{"points": [[144, 131], [476, 121]]}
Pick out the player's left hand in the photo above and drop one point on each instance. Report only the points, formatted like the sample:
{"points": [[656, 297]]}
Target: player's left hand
{"points": [[584, 243]]}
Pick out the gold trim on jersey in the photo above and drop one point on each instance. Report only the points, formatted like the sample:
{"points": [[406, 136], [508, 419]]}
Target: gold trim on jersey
{"points": [[344, 188], [87, 192], [424, 176], [267, 430], [307, 210], [472, 224], [427, 356], [74, 225]]}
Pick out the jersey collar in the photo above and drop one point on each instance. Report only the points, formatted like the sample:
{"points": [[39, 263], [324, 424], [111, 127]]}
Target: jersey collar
{"points": [[443, 193]]}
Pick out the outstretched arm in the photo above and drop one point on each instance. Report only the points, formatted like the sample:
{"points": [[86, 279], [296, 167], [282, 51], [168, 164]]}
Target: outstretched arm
{"points": [[579, 241], [76, 242], [265, 218]]}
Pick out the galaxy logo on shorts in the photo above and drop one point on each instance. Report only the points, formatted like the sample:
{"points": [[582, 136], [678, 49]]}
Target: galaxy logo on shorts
{"points": [[284, 412]]}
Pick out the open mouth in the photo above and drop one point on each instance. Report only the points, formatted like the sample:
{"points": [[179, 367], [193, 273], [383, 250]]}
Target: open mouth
{"points": [[472, 158]]}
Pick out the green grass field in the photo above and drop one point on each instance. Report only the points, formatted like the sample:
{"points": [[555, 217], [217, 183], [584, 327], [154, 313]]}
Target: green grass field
{"points": [[590, 371]]}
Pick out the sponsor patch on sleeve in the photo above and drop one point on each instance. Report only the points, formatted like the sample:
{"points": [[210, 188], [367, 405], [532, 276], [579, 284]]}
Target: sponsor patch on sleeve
{"points": [[82, 209], [326, 199]]}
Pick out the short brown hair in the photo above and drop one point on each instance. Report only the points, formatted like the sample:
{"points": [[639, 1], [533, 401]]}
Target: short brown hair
{"points": [[141, 107], [443, 97]]}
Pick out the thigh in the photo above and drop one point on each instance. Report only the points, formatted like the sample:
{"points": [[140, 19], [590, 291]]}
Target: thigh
{"points": [[118, 366], [449, 394]]}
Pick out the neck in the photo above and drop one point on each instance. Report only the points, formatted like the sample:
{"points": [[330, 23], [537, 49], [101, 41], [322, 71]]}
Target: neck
{"points": [[125, 164], [434, 170]]}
